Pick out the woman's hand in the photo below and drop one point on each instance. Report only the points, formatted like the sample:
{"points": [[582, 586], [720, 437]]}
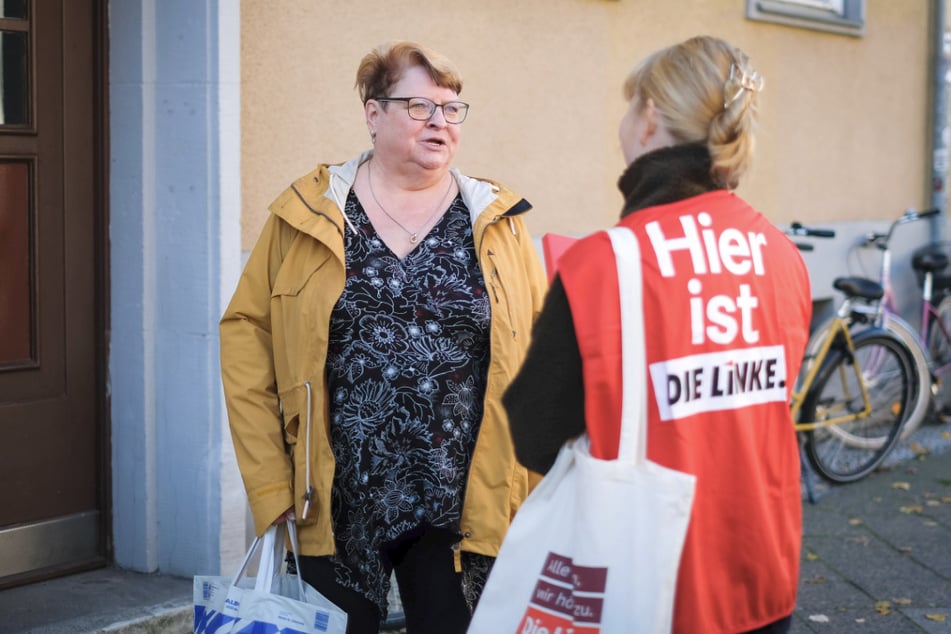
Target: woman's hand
{"points": [[286, 516]]}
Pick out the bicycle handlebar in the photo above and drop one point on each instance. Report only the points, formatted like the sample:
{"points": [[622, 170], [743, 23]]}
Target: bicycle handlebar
{"points": [[875, 239], [926, 213], [880, 240], [797, 229]]}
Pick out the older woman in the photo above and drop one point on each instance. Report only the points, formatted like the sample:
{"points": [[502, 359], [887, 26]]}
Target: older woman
{"points": [[726, 311], [385, 307]]}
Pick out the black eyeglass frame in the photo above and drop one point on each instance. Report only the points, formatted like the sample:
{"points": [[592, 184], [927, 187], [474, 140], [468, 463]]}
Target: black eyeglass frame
{"points": [[463, 107]]}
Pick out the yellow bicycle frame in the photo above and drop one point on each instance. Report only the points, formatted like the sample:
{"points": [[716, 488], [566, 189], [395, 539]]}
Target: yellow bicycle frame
{"points": [[838, 326]]}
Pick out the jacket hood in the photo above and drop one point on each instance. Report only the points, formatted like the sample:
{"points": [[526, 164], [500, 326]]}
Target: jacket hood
{"points": [[322, 193]]}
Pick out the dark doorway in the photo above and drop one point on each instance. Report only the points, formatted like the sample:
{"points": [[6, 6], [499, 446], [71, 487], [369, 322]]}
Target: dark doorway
{"points": [[53, 436]]}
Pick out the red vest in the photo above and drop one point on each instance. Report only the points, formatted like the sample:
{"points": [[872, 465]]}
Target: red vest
{"points": [[727, 310]]}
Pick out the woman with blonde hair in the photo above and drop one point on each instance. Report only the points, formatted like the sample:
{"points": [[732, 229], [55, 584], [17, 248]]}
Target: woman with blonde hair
{"points": [[385, 307], [727, 307]]}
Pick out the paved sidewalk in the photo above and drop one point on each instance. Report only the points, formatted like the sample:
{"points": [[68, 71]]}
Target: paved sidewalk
{"points": [[876, 553], [876, 558]]}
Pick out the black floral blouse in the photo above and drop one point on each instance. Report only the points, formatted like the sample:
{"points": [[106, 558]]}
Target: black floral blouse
{"points": [[406, 370]]}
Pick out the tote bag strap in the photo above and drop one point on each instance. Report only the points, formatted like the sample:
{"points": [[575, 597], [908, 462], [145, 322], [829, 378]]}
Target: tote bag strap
{"points": [[627, 254], [272, 551]]}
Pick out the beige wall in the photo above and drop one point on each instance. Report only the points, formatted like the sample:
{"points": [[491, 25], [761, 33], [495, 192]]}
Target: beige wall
{"points": [[844, 126]]}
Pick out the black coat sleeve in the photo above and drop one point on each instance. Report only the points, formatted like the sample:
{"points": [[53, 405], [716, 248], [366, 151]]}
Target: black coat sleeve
{"points": [[545, 402]]}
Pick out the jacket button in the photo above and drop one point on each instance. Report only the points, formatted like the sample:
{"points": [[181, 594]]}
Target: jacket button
{"points": [[467, 534]]}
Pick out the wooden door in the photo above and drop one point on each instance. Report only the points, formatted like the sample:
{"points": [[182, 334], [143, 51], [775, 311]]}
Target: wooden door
{"points": [[53, 456]]}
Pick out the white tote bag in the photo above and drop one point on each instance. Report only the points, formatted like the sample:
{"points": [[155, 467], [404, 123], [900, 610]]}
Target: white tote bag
{"points": [[596, 546]]}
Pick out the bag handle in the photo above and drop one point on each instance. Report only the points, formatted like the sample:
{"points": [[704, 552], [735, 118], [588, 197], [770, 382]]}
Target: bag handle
{"points": [[272, 557], [633, 440], [272, 551], [247, 559], [292, 534]]}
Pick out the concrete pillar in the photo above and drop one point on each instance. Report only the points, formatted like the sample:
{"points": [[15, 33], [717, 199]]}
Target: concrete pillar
{"points": [[178, 503]]}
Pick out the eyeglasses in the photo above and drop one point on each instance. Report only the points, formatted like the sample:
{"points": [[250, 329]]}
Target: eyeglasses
{"points": [[422, 109]]}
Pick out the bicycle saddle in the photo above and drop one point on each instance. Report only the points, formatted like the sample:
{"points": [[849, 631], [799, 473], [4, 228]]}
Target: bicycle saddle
{"points": [[929, 260], [859, 287]]}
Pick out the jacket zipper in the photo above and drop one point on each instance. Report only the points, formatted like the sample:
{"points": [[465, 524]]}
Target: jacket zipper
{"points": [[310, 489]]}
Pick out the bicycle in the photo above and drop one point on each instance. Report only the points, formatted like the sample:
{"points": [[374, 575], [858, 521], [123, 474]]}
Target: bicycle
{"points": [[882, 313], [935, 325], [855, 388]]}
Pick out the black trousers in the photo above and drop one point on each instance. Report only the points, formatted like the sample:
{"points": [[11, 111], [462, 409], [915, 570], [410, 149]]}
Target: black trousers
{"points": [[430, 588], [776, 627]]}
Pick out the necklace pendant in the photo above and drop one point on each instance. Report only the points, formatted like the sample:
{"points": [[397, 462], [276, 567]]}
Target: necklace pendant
{"points": [[413, 238]]}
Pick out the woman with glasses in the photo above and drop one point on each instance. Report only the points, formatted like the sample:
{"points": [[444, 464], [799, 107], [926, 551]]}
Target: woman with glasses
{"points": [[727, 307], [385, 307]]}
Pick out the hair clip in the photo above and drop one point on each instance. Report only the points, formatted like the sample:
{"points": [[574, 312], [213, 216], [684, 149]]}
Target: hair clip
{"points": [[752, 82]]}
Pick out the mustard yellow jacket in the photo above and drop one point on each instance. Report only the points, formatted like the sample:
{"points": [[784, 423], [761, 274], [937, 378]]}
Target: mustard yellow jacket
{"points": [[274, 346]]}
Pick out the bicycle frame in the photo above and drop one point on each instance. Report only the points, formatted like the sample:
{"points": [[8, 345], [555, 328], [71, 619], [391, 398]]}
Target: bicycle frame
{"points": [[929, 319], [839, 327], [886, 306]]}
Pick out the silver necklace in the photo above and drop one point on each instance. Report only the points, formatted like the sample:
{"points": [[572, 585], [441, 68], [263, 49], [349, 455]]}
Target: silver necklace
{"points": [[413, 235]]}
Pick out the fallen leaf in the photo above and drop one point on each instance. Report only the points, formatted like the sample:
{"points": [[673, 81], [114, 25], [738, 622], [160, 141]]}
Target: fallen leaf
{"points": [[914, 508], [819, 618], [930, 523], [883, 607], [946, 500], [919, 449], [902, 601], [905, 486], [940, 618], [812, 556], [817, 580], [933, 503], [904, 549], [946, 435], [855, 521]]}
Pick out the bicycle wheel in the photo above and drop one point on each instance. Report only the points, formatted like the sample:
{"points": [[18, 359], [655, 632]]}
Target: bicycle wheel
{"points": [[922, 405], [939, 347], [848, 451]]}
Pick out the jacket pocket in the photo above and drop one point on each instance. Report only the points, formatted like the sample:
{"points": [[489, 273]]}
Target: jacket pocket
{"points": [[293, 402], [502, 302]]}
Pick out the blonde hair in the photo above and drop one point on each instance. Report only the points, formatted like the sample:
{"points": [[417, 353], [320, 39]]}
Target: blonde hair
{"points": [[382, 68], [705, 91]]}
